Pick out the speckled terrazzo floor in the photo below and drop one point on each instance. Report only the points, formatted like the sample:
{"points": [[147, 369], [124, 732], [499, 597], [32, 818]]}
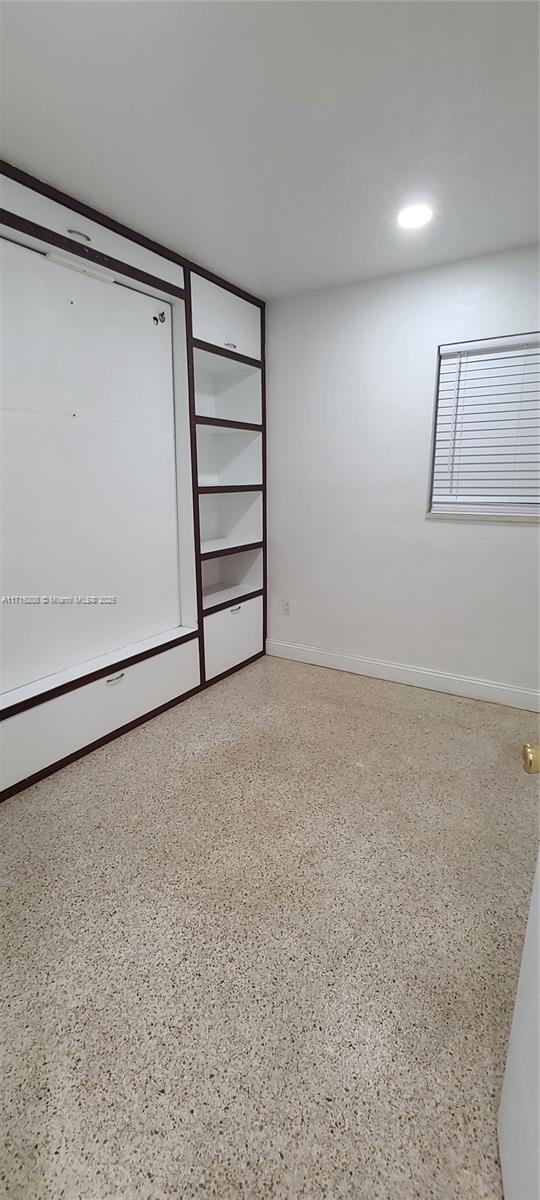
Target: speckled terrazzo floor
{"points": [[266, 946]]}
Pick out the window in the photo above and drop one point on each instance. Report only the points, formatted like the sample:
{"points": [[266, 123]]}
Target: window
{"points": [[487, 431]]}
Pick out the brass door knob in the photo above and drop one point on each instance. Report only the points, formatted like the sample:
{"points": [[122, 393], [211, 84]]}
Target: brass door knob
{"points": [[530, 757]]}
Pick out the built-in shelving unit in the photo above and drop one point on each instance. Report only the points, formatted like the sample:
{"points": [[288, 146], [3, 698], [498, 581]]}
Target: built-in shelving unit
{"points": [[216, 455], [228, 404]]}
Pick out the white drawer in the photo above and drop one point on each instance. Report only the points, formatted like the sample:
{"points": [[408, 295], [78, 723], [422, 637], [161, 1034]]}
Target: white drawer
{"points": [[232, 635], [224, 319], [34, 207], [40, 736]]}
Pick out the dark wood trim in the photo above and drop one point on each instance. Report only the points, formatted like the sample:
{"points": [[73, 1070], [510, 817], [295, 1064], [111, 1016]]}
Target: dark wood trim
{"points": [[231, 603], [87, 253], [264, 496], [230, 550], [210, 348], [217, 423], [194, 471], [22, 784], [232, 670], [232, 487], [93, 214], [71, 685]]}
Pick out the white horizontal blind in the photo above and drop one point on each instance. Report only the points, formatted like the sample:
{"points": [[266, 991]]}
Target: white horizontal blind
{"points": [[487, 436]]}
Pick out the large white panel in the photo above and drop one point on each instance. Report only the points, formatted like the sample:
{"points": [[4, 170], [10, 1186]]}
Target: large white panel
{"points": [[88, 466], [232, 635], [33, 740], [224, 319]]}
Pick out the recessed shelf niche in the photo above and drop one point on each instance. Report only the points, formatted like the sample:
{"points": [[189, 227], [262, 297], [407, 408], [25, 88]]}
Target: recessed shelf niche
{"points": [[226, 389], [229, 578], [228, 456], [234, 519]]}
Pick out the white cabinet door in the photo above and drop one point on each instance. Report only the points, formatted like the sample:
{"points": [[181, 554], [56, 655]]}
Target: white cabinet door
{"points": [[232, 635], [224, 319], [519, 1114]]}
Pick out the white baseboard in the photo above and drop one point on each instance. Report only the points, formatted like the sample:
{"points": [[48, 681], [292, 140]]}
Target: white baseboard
{"points": [[436, 681]]}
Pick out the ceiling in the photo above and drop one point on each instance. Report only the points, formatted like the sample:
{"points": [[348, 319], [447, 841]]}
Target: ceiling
{"points": [[275, 142]]}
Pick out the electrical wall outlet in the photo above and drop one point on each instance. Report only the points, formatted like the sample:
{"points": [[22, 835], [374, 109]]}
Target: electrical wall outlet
{"points": [[286, 608]]}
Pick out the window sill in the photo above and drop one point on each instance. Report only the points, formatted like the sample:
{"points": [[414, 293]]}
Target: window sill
{"points": [[483, 518]]}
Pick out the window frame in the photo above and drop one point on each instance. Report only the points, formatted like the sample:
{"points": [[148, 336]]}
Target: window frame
{"points": [[482, 518]]}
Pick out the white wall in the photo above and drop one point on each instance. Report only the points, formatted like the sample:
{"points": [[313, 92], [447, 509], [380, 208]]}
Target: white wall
{"points": [[373, 585]]}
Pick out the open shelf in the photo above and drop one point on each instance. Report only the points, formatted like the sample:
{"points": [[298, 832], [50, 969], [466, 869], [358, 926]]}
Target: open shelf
{"points": [[233, 519], [234, 487], [228, 458], [222, 549], [226, 389], [220, 423], [234, 577], [214, 598]]}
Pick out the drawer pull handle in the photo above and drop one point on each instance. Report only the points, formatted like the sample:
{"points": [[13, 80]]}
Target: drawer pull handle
{"points": [[237, 609], [116, 678], [79, 234], [230, 345]]}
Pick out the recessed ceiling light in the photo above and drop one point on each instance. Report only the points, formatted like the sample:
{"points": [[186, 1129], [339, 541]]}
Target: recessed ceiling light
{"points": [[414, 216]]}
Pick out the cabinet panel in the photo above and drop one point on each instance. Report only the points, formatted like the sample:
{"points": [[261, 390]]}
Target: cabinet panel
{"points": [[232, 635], [224, 319], [40, 736], [42, 211]]}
